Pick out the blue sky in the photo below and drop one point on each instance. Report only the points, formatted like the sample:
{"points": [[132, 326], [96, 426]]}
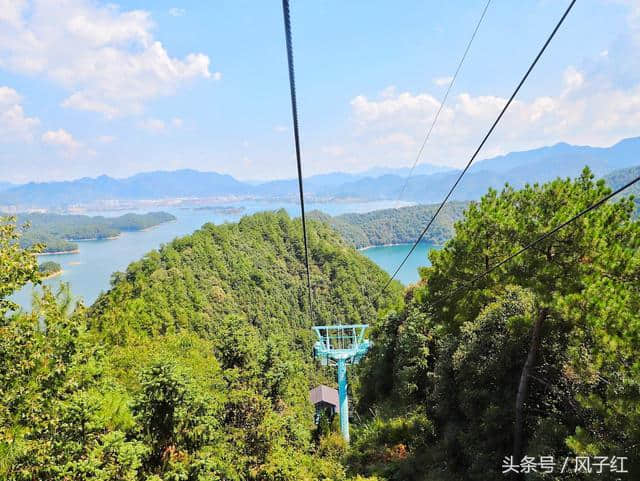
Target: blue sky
{"points": [[90, 88]]}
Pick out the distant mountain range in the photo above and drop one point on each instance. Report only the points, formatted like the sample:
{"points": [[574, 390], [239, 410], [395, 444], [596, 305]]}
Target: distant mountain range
{"points": [[428, 184]]}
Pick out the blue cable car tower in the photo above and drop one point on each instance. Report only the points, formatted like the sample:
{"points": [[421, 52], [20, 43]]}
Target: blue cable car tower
{"points": [[340, 345]]}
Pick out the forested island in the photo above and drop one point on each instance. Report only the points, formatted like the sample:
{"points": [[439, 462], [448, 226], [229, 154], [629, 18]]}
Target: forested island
{"points": [[58, 231], [395, 226], [49, 269], [196, 364]]}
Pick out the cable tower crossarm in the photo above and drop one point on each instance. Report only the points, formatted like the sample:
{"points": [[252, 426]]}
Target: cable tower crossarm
{"points": [[443, 102], [537, 241], [296, 137], [484, 140]]}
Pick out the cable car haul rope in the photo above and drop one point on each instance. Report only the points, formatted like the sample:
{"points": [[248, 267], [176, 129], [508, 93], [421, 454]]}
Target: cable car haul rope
{"points": [[296, 137]]}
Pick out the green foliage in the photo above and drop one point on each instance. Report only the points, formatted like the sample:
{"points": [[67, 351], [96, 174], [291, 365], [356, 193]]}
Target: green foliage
{"points": [[48, 268], [196, 365], [395, 226], [18, 266], [51, 244], [392, 447], [253, 269], [462, 359]]}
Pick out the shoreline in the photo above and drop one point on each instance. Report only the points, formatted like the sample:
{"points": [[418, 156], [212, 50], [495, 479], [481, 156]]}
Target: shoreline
{"points": [[145, 229], [59, 253], [93, 239], [384, 245], [398, 244], [51, 276], [90, 239]]}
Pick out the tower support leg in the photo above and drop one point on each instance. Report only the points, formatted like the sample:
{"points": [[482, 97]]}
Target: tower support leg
{"points": [[344, 400]]}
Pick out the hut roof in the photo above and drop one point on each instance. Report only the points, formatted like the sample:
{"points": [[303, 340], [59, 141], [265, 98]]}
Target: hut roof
{"points": [[324, 394]]}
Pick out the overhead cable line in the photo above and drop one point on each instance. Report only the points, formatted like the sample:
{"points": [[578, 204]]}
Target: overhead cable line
{"points": [[484, 140], [443, 102], [537, 241], [296, 136]]}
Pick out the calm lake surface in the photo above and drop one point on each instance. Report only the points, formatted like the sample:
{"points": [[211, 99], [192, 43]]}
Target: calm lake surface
{"points": [[390, 257], [89, 271]]}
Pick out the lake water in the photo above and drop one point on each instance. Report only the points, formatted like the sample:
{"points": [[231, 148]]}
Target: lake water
{"points": [[89, 271], [390, 257]]}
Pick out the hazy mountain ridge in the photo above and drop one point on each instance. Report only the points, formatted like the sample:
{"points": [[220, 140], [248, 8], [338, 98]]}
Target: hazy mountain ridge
{"points": [[620, 177], [600, 159], [429, 183]]}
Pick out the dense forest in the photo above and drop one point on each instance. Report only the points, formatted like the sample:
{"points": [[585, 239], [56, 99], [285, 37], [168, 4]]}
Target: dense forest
{"points": [[196, 365], [55, 231], [395, 226], [539, 358]]}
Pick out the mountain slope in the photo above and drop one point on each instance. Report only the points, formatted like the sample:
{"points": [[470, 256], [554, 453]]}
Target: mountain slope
{"points": [[618, 178], [395, 226], [253, 269], [516, 168], [195, 365], [600, 159], [242, 286]]}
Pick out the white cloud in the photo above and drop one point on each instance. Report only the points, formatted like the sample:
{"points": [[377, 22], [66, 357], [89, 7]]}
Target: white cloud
{"points": [[587, 111], [152, 125], [14, 124], [106, 58], [281, 128], [399, 138], [442, 81], [11, 11], [390, 105], [106, 139], [157, 126], [333, 150], [177, 12], [596, 102], [62, 139], [573, 79]]}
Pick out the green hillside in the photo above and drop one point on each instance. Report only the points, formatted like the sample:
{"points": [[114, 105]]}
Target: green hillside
{"points": [[537, 359], [618, 178], [395, 226], [196, 364]]}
